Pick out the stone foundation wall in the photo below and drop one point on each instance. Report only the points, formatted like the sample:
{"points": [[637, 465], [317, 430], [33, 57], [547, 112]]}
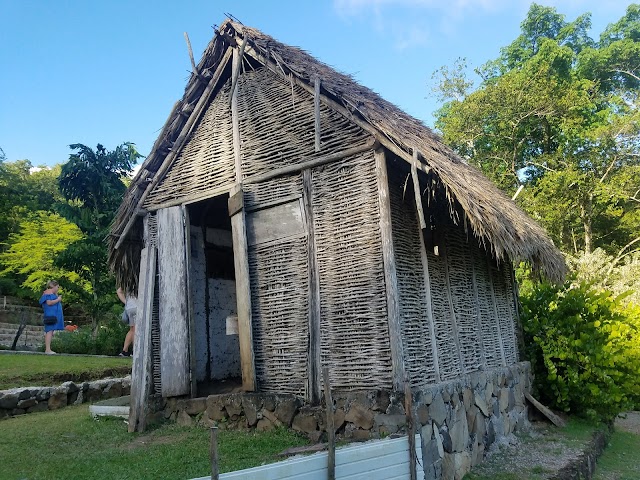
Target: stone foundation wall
{"points": [[19, 401], [457, 420]]}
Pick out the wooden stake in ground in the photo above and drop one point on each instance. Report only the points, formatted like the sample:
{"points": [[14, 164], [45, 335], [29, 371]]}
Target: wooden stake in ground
{"points": [[214, 453], [411, 430], [331, 430]]}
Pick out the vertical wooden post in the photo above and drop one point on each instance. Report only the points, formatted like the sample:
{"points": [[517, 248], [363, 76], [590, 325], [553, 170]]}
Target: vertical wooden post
{"points": [[213, 454], [331, 428], [454, 322], [316, 105], [416, 188], [476, 300], [235, 122], [495, 310], [313, 362], [141, 370], [516, 310], [390, 273], [411, 429], [190, 314], [427, 289], [243, 290]]}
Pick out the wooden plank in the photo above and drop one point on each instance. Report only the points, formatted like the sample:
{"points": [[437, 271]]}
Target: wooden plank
{"points": [[190, 313], [331, 428], [192, 198], [416, 188], [494, 304], [390, 273], [235, 203], [313, 360], [276, 222], [429, 307], [316, 109], [174, 324], [555, 419], [243, 298], [178, 144], [141, 370], [452, 311], [235, 121], [311, 163]]}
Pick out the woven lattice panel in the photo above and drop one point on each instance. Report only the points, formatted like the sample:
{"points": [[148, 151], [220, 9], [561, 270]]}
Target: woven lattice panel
{"points": [[277, 124], [488, 320], [460, 264], [279, 302], [206, 162], [414, 320], [506, 310], [272, 190], [353, 307], [448, 359]]}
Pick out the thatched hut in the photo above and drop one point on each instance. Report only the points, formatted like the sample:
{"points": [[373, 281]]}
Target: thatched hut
{"points": [[288, 219]]}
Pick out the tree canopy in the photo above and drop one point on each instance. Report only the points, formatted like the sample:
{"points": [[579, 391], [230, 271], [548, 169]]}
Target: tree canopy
{"points": [[557, 112]]}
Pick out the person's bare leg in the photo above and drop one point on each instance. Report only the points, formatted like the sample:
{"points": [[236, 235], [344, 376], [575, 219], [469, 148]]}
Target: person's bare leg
{"points": [[128, 340], [47, 342]]}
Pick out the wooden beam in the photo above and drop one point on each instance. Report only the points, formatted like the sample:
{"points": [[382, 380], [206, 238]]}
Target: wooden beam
{"points": [[193, 62], [237, 64], [190, 311], [416, 188], [313, 362], [178, 144], [555, 419], [411, 430], [193, 198], [316, 107], [429, 306], [305, 164], [243, 297], [476, 300], [141, 370], [390, 273]]}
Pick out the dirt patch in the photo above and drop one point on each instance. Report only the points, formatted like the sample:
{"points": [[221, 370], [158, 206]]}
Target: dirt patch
{"points": [[628, 422]]}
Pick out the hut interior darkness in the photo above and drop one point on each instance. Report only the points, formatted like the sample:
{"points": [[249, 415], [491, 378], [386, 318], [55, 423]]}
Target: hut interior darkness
{"points": [[289, 219]]}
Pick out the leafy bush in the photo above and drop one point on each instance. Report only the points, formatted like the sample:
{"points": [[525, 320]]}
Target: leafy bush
{"points": [[584, 348], [108, 340]]}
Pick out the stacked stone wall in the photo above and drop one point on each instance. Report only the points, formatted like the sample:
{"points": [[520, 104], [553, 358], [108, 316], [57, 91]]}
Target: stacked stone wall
{"points": [[19, 401], [457, 420]]}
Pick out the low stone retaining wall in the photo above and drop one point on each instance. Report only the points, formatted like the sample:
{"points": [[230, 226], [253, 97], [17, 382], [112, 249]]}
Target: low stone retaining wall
{"points": [[457, 420], [19, 401]]}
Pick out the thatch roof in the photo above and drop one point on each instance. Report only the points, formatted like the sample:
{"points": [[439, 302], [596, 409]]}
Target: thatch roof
{"points": [[494, 218]]}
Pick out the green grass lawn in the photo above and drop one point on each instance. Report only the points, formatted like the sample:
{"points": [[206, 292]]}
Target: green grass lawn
{"points": [[621, 458], [69, 444], [25, 370]]}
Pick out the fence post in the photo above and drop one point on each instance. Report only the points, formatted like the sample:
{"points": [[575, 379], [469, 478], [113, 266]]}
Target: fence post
{"points": [[331, 429], [214, 453], [411, 429]]}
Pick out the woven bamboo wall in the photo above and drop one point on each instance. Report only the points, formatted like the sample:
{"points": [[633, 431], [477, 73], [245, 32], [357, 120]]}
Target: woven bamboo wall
{"points": [[279, 298], [354, 326], [414, 320], [506, 310], [277, 124], [491, 336], [206, 162], [448, 358], [465, 304]]}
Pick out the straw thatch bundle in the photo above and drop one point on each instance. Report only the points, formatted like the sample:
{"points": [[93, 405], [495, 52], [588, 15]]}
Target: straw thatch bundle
{"points": [[493, 218]]}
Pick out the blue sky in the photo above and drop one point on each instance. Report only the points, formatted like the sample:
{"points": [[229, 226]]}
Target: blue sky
{"points": [[93, 71]]}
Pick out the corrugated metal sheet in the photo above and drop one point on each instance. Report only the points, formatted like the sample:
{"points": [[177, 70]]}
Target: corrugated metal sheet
{"points": [[377, 460]]}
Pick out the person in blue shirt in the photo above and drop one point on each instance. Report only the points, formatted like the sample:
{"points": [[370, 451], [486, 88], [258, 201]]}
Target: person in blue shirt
{"points": [[52, 306]]}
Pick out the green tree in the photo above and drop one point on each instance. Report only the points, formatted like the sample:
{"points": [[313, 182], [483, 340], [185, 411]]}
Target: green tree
{"points": [[92, 183], [32, 251], [558, 113]]}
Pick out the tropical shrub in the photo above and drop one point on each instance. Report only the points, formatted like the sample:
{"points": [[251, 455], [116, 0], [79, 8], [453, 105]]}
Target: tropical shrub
{"points": [[108, 340], [584, 348]]}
